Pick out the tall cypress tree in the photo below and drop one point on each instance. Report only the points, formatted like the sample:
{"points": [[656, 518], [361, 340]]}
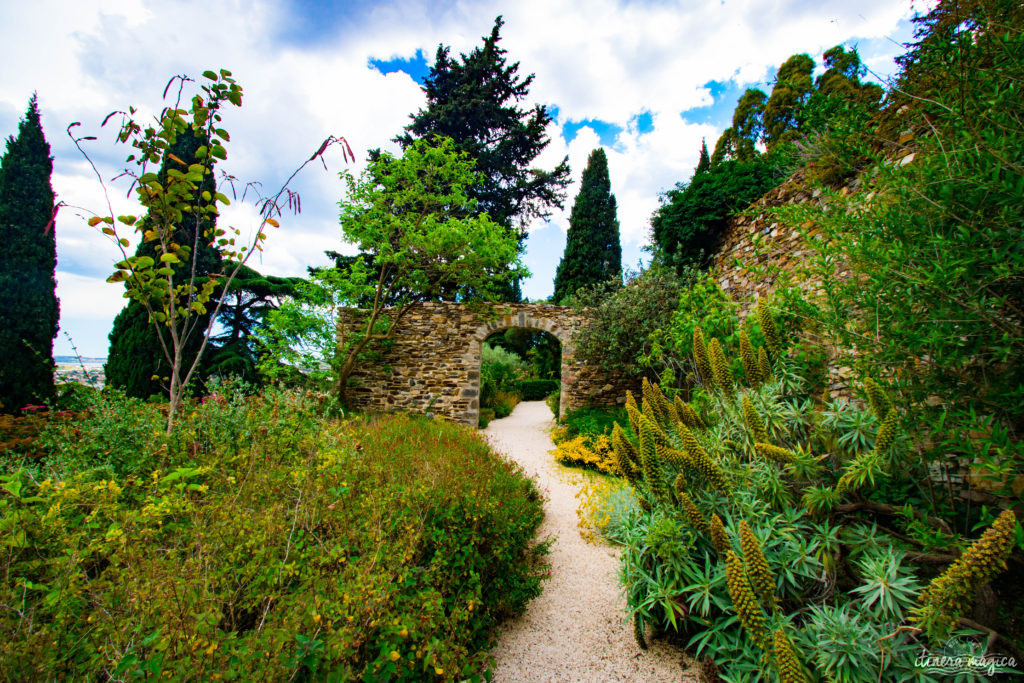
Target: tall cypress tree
{"points": [[704, 163], [593, 253], [29, 310], [475, 101], [135, 356]]}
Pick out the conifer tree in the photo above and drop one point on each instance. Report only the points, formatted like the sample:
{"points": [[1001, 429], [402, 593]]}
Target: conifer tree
{"points": [[704, 163], [593, 253], [782, 112], [475, 101], [29, 310], [136, 362]]}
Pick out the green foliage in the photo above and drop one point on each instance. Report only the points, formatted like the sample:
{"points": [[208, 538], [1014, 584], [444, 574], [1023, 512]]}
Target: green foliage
{"points": [[935, 253], [500, 373], [554, 400], [622, 320], [594, 421], [412, 218], [774, 477], [739, 141], [783, 110], [474, 101], [261, 543], [593, 254], [686, 228], [536, 389], [541, 350], [28, 303]]}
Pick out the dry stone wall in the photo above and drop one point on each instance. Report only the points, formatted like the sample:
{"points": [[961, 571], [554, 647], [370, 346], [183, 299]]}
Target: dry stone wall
{"points": [[432, 362]]}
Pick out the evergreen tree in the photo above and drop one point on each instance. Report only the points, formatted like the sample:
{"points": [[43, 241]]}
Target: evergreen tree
{"points": [[475, 101], [29, 310], [136, 362], [593, 254], [782, 112], [739, 141], [704, 163]]}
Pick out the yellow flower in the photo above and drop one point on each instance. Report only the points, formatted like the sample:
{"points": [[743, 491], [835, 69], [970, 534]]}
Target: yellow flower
{"points": [[394, 656]]}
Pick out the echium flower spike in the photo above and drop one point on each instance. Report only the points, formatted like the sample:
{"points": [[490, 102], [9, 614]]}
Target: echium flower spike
{"points": [[702, 461], [774, 453], [887, 432], [626, 455], [786, 661], [718, 538], [650, 464], [764, 365], [650, 403], [702, 360], [757, 566], [771, 333], [630, 399], [953, 590], [693, 514], [688, 416], [877, 399], [720, 367], [633, 413], [749, 360], [638, 631], [753, 422], [746, 604]]}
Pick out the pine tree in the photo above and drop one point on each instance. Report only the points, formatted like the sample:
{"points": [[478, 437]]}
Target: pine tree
{"points": [[29, 310], [136, 362], [475, 101], [593, 254]]}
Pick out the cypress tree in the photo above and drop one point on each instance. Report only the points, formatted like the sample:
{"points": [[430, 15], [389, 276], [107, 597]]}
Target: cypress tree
{"points": [[136, 357], [474, 100], [29, 310], [593, 253]]}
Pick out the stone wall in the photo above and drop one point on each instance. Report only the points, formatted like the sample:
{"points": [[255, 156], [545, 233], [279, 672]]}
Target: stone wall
{"points": [[432, 363], [756, 252]]}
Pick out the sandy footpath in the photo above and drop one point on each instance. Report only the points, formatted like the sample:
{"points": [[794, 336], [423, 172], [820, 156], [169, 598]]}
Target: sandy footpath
{"points": [[577, 629]]}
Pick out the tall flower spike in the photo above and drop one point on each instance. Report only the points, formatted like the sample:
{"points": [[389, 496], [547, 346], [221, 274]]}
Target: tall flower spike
{"points": [[774, 453], [764, 366], [702, 360], [720, 367], [887, 432], [693, 514], [746, 604], [650, 464], [788, 664], [626, 455], [633, 413], [753, 422], [757, 566], [771, 333], [954, 589], [651, 412], [688, 416], [877, 399], [749, 360], [650, 403], [702, 461], [718, 537]]}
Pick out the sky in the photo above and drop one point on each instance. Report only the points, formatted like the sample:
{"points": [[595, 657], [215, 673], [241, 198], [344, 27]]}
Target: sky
{"points": [[646, 79]]}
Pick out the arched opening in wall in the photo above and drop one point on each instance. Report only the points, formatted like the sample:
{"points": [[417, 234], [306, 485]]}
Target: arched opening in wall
{"points": [[518, 364]]}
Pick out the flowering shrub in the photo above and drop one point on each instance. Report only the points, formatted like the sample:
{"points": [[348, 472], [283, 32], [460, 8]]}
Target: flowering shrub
{"points": [[590, 452], [263, 543]]}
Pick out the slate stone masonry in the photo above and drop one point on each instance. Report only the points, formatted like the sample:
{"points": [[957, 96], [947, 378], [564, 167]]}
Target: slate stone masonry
{"points": [[432, 363]]}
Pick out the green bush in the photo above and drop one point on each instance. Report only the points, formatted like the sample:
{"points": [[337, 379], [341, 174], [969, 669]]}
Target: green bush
{"points": [[503, 403], [276, 547], [554, 400], [536, 389], [754, 504], [594, 421], [499, 371]]}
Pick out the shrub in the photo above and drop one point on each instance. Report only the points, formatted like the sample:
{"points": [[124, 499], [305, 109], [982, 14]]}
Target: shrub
{"points": [[554, 400], [288, 548], [594, 421], [750, 514], [503, 403], [536, 389], [588, 452]]}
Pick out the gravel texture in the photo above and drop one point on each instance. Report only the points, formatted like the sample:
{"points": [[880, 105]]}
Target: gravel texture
{"points": [[577, 629]]}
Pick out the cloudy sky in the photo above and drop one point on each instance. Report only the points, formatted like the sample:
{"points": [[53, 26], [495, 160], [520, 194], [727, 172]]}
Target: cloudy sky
{"points": [[648, 79]]}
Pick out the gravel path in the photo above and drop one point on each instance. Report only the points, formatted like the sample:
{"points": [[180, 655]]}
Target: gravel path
{"points": [[577, 629]]}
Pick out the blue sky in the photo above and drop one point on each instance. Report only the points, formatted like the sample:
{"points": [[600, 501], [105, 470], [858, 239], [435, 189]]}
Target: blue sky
{"points": [[646, 80]]}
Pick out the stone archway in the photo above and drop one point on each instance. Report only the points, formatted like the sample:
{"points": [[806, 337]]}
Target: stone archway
{"points": [[432, 363]]}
